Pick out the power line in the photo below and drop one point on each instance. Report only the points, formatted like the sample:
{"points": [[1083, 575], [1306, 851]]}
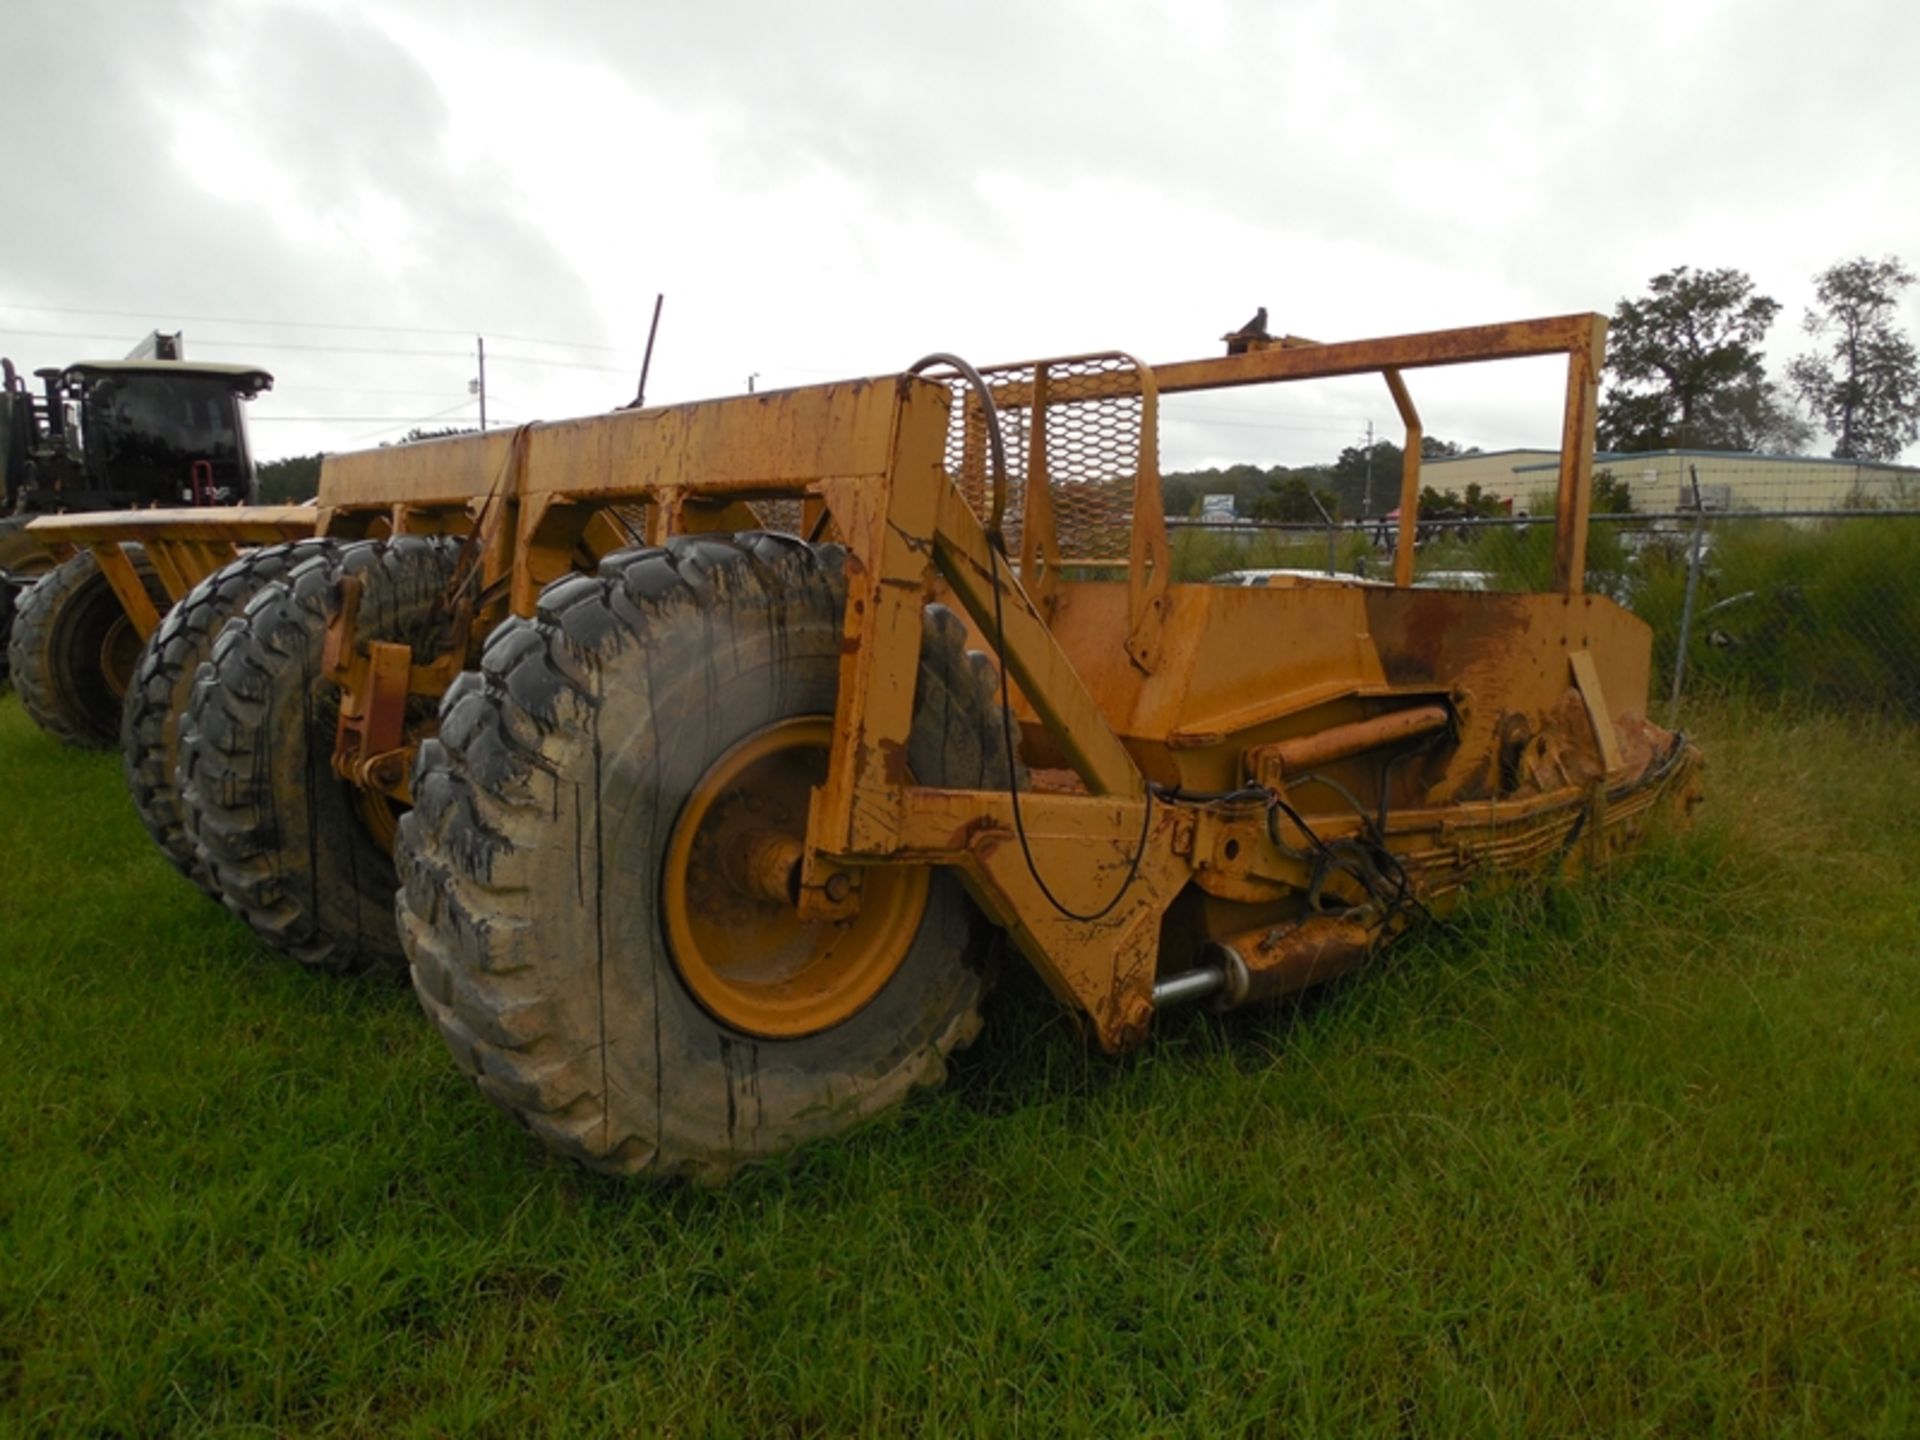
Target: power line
{"points": [[1185, 409], [417, 420], [344, 419], [1195, 423], [302, 325], [391, 422], [305, 389], [221, 344], [566, 364], [251, 346]]}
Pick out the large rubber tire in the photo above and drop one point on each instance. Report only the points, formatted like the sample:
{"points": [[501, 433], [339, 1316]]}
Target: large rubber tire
{"points": [[532, 862], [22, 561], [9, 601], [291, 848], [21, 555], [63, 625], [163, 687]]}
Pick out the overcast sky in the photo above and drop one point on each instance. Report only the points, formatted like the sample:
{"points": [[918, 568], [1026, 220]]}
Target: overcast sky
{"points": [[830, 188]]}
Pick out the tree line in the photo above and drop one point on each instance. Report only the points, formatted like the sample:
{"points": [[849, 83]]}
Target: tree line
{"points": [[296, 479], [1685, 369], [1364, 480]]}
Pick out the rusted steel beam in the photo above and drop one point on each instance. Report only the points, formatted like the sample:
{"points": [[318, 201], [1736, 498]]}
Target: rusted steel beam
{"points": [[1576, 461], [1409, 480], [1514, 340], [166, 563], [1559, 335], [743, 446], [1046, 674], [243, 524], [126, 583], [888, 530], [200, 558], [1091, 854], [1586, 678], [1297, 756], [1278, 959]]}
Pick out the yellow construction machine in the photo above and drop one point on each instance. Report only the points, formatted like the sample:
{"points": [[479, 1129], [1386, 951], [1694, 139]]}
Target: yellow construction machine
{"points": [[709, 745]]}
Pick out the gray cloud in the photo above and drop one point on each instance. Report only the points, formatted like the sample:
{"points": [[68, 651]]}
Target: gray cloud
{"points": [[351, 126], [841, 185]]}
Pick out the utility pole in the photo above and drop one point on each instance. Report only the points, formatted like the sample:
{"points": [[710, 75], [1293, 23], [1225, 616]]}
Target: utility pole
{"points": [[481, 342], [750, 379], [1366, 505]]}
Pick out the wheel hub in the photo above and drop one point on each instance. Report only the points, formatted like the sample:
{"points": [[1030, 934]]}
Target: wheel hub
{"points": [[119, 654], [379, 815], [730, 888]]}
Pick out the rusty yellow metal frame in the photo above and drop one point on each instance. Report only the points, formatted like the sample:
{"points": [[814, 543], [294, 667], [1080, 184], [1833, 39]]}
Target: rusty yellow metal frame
{"points": [[1580, 337], [1082, 874], [183, 546], [1117, 859]]}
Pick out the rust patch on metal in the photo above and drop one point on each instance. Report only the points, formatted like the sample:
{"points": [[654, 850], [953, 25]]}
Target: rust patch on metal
{"points": [[1439, 726], [893, 761], [1513, 735], [1422, 634], [1281, 958]]}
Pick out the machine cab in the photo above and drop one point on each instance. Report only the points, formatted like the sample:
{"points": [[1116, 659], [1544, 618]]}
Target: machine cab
{"points": [[127, 434], [163, 432]]}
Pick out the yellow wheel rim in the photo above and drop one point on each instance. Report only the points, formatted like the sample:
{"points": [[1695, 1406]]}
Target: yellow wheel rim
{"points": [[379, 815], [748, 957], [119, 653]]}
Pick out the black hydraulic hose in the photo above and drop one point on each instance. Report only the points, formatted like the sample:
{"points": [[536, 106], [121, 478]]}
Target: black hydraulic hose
{"points": [[996, 552]]}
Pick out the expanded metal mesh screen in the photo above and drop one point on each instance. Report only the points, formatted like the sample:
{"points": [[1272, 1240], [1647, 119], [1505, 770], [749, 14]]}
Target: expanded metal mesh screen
{"points": [[781, 515], [632, 515], [1088, 450]]}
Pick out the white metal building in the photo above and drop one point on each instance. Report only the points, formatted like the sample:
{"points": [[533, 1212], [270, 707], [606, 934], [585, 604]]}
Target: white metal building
{"points": [[1661, 480]]}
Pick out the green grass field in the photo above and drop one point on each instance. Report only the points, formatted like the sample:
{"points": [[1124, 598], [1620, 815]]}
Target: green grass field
{"points": [[1643, 1158]]}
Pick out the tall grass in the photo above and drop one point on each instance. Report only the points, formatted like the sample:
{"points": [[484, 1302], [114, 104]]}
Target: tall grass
{"points": [[1638, 1157], [1821, 613], [1204, 554], [1827, 613], [1522, 559]]}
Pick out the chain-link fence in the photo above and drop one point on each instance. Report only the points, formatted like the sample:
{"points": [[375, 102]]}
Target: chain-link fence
{"points": [[1756, 582]]}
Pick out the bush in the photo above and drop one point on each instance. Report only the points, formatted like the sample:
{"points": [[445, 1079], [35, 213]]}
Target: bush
{"points": [[1824, 613], [1203, 554], [289, 482], [1521, 558], [1828, 613]]}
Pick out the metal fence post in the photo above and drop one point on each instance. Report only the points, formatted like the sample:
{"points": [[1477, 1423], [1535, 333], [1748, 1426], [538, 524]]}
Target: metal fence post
{"points": [[1693, 588]]}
